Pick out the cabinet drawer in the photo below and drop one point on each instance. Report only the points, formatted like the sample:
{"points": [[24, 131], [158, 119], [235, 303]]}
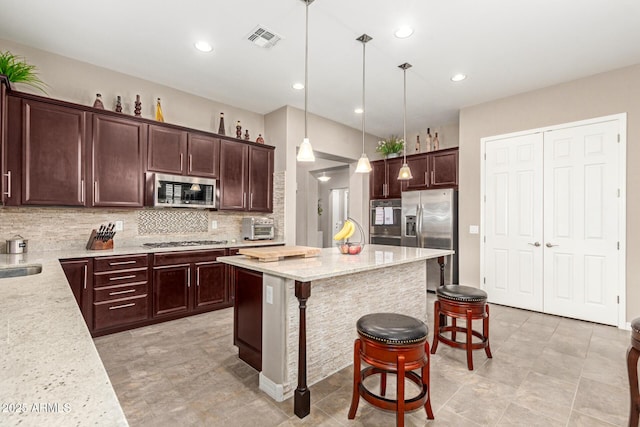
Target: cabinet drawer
{"points": [[120, 312], [120, 277], [185, 257], [120, 291], [125, 262]]}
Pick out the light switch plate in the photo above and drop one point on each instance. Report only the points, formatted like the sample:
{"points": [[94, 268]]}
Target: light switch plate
{"points": [[474, 229], [214, 225], [119, 226], [269, 295]]}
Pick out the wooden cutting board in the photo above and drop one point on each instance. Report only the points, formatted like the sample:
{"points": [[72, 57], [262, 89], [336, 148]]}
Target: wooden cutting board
{"points": [[275, 253]]}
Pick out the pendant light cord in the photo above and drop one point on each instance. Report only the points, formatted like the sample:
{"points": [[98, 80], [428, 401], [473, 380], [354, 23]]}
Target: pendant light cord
{"points": [[306, 65], [364, 111], [404, 118]]}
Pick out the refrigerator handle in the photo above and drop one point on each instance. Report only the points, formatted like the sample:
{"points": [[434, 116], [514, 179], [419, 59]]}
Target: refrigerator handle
{"points": [[419, 225]]}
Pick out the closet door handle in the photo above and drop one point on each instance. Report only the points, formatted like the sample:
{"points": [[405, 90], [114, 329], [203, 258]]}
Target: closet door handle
{"points": [[549, 245], [536, 244]]}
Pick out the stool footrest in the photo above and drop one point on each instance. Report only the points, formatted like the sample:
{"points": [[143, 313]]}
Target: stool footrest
{"points": [[461, 344], [392, 404]]}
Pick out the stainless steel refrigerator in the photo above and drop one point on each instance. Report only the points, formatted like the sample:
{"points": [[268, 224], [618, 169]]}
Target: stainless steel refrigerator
{"points": [[430, 220]]}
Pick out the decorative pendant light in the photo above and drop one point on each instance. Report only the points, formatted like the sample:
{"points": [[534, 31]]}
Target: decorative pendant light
{"points": [[324, 177], [363, 164], [305, 152], [404, 173]]}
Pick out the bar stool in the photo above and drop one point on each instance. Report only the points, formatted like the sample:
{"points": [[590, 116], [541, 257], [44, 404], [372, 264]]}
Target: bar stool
{"points": [[461, 302], [632, 368], [391, 343]]}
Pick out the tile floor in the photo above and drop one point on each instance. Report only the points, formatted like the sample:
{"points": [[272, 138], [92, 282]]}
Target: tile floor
{"points": [[545, 371]]}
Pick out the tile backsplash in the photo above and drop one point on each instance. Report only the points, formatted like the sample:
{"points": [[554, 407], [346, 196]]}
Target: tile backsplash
{"points": [[56, 228]]}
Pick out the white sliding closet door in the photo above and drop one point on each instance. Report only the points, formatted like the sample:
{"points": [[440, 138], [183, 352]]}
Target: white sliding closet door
{"points": [[581, 222], [513, 221]]}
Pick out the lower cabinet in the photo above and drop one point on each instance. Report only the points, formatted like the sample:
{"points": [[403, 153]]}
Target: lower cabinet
{"points": [[247, 318], [79, 273], [185, 282]]}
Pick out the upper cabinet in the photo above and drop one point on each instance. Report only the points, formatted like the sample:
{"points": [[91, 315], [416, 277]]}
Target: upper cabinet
{"points": [[180, 152], [383, 179], [48, 145], [118, 149], [436, 169], [246, 177]]}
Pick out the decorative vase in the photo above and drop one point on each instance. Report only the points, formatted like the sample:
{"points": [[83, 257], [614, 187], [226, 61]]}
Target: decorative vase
{"points": [[393, 155]]}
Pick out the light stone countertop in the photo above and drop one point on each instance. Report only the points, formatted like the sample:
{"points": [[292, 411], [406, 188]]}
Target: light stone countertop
{"points": [[331, 263], [50, 371]]}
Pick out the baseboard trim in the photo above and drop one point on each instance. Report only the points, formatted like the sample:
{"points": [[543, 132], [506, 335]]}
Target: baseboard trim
{"points": [[276, 391]]}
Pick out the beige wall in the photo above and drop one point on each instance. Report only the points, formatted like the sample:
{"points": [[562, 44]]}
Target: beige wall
{"points": [[613, 92]]}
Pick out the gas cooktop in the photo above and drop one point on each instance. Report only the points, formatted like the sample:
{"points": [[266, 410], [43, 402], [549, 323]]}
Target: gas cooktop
{"points": [[183, 243]]}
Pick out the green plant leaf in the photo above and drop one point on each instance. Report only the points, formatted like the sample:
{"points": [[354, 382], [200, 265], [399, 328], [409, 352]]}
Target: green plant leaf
{"points": [[18, 71]]}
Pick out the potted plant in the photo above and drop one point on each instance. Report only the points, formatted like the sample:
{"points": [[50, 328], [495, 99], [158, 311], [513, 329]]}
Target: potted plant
{"points": [[390, 147], [18, 71]]}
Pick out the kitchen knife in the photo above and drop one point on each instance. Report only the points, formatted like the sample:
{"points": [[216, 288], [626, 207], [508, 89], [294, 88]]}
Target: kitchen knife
{"points": [[100, 232]]}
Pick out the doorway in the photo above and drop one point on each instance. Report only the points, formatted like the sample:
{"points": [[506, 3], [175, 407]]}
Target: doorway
{"points": [[553, 220]]}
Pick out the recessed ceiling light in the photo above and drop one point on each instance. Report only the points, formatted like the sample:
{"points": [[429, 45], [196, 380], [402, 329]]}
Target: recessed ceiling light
{"points": [[324, 177], [358, 111], [298, 86], [203, 46], [403, 32], [458, 77]]}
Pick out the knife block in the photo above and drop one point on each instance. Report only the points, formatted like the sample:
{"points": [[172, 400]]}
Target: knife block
{"points": [[95, 244]]}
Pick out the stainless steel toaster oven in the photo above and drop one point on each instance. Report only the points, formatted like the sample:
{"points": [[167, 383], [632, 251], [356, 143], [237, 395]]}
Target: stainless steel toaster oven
{"points": [[258, 228]]}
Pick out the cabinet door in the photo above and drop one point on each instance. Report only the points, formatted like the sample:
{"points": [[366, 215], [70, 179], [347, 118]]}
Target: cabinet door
{"points": [[171, 289], [4, 180], [247, 327], [260, 179], [79, 276], [166, 150], [443, 166], [203, 156], [377, 180], [53, 148], [394, 187], [117, 160], [419, 169], [233, 175], [210, 285]]}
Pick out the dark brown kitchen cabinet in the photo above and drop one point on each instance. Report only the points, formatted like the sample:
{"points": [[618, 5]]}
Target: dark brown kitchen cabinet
{"points": [[443, 168], [247, 318], [120, 293], [4, 176], [419, 165], [203, 155], [79, 273], [166, 151], [246, 177], [118, 150], [48, 146], [187, 282], [383, 179]]}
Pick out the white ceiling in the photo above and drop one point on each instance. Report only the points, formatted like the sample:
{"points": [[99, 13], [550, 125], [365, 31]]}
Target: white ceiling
{"points": [[504, 46]]}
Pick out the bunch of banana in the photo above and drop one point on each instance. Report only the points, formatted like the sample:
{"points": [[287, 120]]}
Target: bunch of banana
{"points": [[347, 231]]}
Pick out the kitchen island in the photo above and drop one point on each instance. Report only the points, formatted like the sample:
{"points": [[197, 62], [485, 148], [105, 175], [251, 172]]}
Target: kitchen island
{"points": [[311, 305]]}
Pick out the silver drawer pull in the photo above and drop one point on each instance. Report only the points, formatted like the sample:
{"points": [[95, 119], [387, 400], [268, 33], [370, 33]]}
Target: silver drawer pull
{"points": [[115, 307], [128, 291], [122, 262], [133, 276]]}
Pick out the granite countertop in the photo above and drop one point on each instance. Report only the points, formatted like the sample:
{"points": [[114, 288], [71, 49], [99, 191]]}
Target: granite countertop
{"points": [[50, 371], [331, 263]]}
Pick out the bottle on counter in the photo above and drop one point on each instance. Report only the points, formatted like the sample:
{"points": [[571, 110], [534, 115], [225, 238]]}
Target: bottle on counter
{"points": [[221, 126], [428, 140], [238, 130], [417, 143], [436, 142], [118, 104]]}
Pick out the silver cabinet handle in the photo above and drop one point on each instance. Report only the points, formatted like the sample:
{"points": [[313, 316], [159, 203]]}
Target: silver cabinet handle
{"points": [[122, 262], [190, 163], [82, 190], [180, 162], [244, 200], [433, 176], [133, 276], [85, 276], [197, 277], [549, 245], [128, 291], [426, 178], [189, 278], [8, 192], [115, 307], [95, 191], [536, 244]]}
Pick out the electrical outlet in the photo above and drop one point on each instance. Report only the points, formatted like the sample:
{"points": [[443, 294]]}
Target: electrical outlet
{"points": [[474, 229], [214, 225], [119, 226], [269, 295]]}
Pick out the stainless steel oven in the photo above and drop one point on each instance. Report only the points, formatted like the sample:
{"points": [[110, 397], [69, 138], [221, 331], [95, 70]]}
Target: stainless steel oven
{"points": [[385, 222]]}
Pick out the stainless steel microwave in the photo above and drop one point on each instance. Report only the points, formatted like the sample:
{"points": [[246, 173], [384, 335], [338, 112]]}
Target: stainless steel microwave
{"points": [[176, 191]]}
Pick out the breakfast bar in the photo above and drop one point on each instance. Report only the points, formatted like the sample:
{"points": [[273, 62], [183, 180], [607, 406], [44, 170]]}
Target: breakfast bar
{"points": [[310, 307]]}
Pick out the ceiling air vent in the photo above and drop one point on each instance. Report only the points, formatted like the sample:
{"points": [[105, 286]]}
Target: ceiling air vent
{"points": [[263, 37]]}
